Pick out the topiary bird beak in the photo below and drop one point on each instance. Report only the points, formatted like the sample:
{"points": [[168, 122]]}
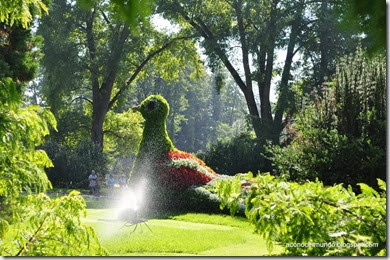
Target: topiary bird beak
{"points": [[136, 108]]}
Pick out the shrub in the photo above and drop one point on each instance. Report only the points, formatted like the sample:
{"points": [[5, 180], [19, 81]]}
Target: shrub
{"points": [[30, 222], [51, 227], [341, 138], [73, 166], [165, 171], [241, 153], [310, 218]]}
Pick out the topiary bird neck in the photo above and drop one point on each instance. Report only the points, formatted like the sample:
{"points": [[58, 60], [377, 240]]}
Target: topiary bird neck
{"points": [[155, 143], [155, 140]]}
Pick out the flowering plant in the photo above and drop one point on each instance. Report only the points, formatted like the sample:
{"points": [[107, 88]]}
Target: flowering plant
{"points": [[180, 170]]}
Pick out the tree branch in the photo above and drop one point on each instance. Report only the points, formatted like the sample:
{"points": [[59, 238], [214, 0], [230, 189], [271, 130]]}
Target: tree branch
{"points": [[244, 46], [205, 28], [115, 58], [295, 52], [81, 97], [142, 65], [105, 18], [113, 133], [32, 237], [208, 35], [202, 28], [92, 50], [81, 26], [194, 24]]}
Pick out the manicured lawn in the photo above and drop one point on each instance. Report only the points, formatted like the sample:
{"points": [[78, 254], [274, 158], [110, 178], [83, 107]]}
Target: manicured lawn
{"points": [[178, 234]]}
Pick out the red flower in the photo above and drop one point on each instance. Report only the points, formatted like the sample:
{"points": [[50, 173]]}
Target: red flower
{"points": [[182, 177], [175, 155]]}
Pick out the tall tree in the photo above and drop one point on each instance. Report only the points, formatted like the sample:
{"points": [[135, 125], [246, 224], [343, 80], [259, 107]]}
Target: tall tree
{"points": [[100, 55], [254, 31]]}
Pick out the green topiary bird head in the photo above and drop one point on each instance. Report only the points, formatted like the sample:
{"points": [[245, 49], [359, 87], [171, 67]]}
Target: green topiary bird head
{"points": [[154, 108], [155, 140]]}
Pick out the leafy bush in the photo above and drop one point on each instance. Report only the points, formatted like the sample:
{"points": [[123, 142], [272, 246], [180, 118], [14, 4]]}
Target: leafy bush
{"points": [[74, 155], [21, 165], [341, 138], [310, 218], [122, 133], [73, 166], [51, 227], [30, 222], [241, 153]]}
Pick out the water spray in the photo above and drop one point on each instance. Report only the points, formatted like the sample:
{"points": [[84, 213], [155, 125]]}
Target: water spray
{"points": [[130, 205]]}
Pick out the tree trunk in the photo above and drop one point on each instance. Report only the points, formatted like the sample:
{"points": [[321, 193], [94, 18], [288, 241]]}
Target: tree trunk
{"points": [[265, 104], [98, 115], [283, 93], [324, 41], [101, 93], [248, 89]]}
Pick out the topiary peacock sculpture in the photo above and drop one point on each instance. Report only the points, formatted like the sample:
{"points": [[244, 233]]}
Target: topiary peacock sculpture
{"points": [[170, 174]]}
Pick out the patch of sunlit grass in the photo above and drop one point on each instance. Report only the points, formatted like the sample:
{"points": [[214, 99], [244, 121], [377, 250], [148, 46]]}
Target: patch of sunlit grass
{"points": [[184, 234]]}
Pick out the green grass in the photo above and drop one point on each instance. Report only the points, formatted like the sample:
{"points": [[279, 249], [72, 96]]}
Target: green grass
{"points": [[181, 234]]}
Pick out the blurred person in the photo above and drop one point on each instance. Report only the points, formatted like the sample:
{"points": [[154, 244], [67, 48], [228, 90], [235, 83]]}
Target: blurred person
{"points": [[93, 185]]}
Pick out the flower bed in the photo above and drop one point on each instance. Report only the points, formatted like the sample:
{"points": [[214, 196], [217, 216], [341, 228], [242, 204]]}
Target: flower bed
{"points": [[180, 170]]}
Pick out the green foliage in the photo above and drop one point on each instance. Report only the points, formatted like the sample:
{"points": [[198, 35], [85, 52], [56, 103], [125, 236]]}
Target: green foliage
{"points": [[73, 126], [360, 95], [22, 167], [341, 138], [74, 155], [72, 152], [304, 217], [201, 199], [30, 222], [236, 154], [155, 110], [155, 144], [368, 18], [72, 166], [18, 61], [129, 10], [21, 11], [122, 133], [51, 227]]}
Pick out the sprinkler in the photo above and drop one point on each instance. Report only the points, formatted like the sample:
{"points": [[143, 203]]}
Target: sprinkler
{"points": [[131, 218]]}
